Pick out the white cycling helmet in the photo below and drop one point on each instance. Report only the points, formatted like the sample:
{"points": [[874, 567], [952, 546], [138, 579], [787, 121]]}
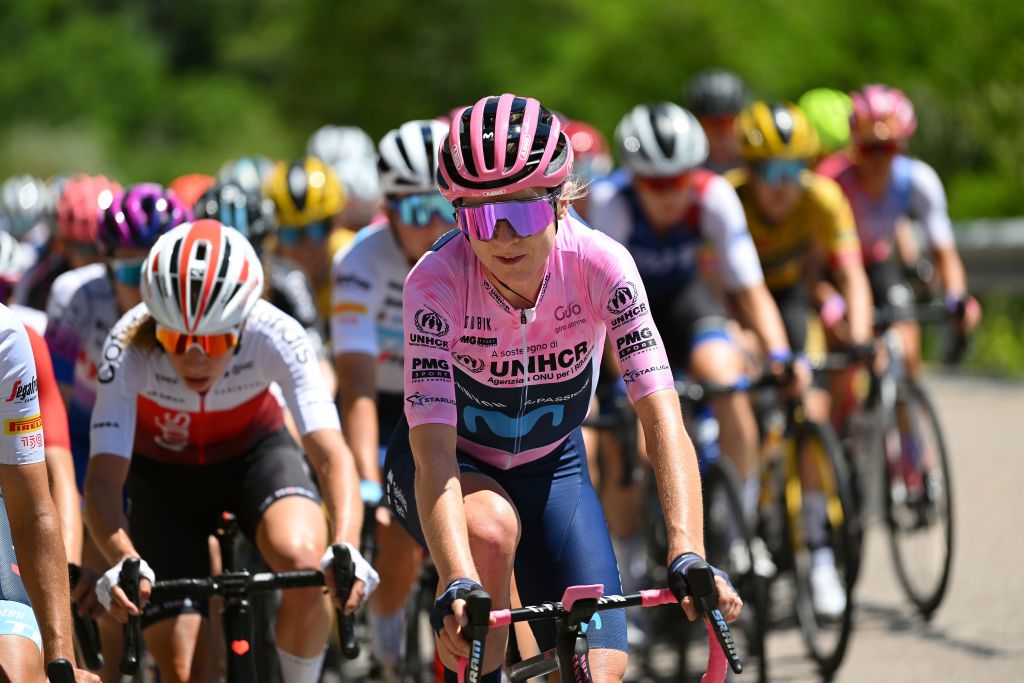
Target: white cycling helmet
{"points": [[352, 154], [660, 140], [202, 278], [408, 157], [23, 199]]}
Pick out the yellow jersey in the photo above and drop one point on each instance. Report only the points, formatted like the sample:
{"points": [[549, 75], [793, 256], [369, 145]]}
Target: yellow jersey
{"points": [[822, 220]]}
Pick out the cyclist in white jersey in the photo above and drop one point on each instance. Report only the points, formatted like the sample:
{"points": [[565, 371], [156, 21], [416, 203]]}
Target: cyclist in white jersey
{"points": [[664, 208], [35, 582], [368, 344], [185, 416]]}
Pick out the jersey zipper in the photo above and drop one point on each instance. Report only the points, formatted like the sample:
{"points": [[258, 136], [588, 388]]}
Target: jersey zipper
{"points": [[525, 393], [202, 429]]}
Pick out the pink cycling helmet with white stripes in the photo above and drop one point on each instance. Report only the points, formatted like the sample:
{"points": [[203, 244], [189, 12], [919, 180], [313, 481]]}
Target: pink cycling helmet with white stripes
{"points": [[881, 114], [81, 204], [502, 145]]}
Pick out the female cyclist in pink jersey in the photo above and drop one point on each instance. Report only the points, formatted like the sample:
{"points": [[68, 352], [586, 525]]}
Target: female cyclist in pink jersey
{"points": [[504, 326]]}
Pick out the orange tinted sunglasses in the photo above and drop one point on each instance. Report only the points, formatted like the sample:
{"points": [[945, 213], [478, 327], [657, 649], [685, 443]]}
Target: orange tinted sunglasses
{"points": [[676, 182], [211, 344]]}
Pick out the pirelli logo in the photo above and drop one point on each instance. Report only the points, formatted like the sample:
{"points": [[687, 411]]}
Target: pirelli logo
{"points": [[23, 425], [343, 307]]}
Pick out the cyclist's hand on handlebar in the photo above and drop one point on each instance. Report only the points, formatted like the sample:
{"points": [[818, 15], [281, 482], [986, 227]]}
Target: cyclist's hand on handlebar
{"points": [[83, 594], [792, 372], [965, 312], [729, 601], [366, 579], [448, 618], [114, 600]]}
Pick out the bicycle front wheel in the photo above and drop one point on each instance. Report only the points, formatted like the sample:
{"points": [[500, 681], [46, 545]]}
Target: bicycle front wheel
{"points": [[919, 500], [824, 550]]}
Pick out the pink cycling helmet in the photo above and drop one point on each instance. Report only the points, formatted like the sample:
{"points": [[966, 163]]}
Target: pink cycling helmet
{"points": [[139, 215], [502, 145], [881, 114], [81, 205]]}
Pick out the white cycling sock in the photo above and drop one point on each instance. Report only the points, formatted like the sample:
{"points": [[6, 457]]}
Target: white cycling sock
{"points": [[299, 670], [387, 635]]}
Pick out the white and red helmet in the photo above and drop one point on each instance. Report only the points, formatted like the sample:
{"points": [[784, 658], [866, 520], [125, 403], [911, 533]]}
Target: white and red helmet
{"points": [[881, 114], [502, 145], [202, 278]]}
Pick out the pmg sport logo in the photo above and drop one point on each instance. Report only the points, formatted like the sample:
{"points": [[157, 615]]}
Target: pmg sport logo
{"points": [[429, 321], [623, 296]]}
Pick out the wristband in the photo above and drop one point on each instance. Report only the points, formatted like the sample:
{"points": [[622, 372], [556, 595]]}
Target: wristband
{"points": [[833, 310], [371, 492], [780, 356]]}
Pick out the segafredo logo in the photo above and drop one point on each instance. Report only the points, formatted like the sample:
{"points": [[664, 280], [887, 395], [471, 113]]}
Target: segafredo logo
{"points": [[429, 321], [22, 392]]}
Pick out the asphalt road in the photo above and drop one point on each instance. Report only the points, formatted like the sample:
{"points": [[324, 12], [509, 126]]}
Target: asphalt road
{"points": [[978, 632]]}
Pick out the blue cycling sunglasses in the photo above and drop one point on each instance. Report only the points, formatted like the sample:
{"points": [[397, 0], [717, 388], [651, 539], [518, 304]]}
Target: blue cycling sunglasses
{"points": [[418, 210], [127, 271], [314, 232], [774, 171]]}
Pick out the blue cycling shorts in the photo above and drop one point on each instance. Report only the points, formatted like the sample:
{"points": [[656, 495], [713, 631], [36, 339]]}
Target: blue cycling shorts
{"points": [[564, 540]]}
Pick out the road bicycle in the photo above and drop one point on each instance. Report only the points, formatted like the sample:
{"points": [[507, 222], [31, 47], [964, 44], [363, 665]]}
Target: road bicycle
{"points": [[579, 605]]}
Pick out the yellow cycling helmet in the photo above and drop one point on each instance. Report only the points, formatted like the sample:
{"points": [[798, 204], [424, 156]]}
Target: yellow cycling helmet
{"points": [[304, 192], [776, 130]]}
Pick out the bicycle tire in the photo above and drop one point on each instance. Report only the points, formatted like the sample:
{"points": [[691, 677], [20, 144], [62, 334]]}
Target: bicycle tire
{"points": [[826, 646], [926, 600]]}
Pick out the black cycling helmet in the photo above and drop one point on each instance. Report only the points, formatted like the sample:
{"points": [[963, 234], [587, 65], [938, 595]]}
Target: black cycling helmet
{"points": [[246, 211], [716, 92]]}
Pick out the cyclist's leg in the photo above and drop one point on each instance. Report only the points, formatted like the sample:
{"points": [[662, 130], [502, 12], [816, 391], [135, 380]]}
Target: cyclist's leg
{"points": [[492, 522], [111, 632], [173, 511], [21, 644], [565, 543], [278, 509]]}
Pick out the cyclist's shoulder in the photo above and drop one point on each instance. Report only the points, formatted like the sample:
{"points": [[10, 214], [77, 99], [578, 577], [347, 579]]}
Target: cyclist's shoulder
{"points": [[609, 186], [921, 175], [447, 259], [82, 283], [373, 247], [835, 165]]}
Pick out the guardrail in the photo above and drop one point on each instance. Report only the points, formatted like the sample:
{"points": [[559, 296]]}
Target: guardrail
{"points": [[993, 253]]}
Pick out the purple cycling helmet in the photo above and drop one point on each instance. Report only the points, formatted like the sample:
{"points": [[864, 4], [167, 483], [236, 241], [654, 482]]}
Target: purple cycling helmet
{"points": [[502, 145], [139, 215]]}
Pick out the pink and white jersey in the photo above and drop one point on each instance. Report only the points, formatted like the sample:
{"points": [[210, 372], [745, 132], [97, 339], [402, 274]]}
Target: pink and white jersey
{"points": [[914, 191], [516, 383]]}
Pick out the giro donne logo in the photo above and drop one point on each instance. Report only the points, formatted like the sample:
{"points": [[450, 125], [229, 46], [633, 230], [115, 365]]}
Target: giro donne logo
{"points": [[623, 296], [429, 321]]}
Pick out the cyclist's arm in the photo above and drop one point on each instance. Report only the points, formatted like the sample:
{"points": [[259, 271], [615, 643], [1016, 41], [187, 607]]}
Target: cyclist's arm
{"points": [[357, 377], [59, 463], [104, 511], [856, 291], [439, 499], [36, 534], [355, 304], [339, 483], [675, 469], [112, 439], [725, 225], [290, 359], [928, 204]]}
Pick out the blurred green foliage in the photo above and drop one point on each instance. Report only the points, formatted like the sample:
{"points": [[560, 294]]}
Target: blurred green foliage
{"points": [[150, 90]]}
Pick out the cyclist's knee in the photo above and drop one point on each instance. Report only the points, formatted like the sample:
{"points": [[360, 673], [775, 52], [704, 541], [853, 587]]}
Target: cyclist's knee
{"points": [[717, 360], [175, 646], [292, 534], [20, 659], [494, 528]]}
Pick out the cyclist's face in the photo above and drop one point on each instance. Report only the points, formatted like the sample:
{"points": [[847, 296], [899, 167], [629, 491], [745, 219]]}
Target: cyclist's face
{"points": [[518, 261], [414, 240], [723, 143], [775, 201], [197, 370], [127, 294], [664, 207]]}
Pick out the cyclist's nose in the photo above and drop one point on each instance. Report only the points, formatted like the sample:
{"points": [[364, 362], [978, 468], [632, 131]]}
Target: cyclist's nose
{"points": [[503, 232]]}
